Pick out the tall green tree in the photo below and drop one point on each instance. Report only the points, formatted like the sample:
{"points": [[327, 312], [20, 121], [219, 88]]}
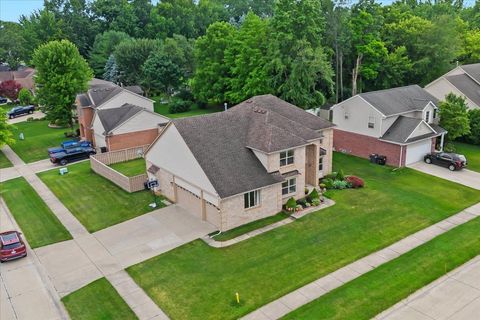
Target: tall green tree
{"points": [[474, 135], [130, 55], [212, 75], [299, 68], [110, 72], [61, 74], [454, 116], [6, 134], [161, 73], [118, 15], [103, 47], [11, 44], [247, 58]]}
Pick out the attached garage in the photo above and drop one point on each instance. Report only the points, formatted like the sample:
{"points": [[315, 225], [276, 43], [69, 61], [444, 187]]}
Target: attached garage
{"points": [[416, 151], [193, 204]]}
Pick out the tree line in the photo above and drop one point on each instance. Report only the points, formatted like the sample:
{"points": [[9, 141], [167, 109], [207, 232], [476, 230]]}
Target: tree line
{"points": [[307, 52]]}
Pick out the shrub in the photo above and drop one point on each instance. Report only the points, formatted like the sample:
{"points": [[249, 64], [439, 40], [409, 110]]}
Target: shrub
{"points": [[340, 175], [332, 176], [337, 184], [298, 207], [185, 95], [313, 194], [474, 136], [179, 106], [355, 181], [316, 202], [328, 183], [25, 97], [291, 204], [449, 147], [302, 202]]}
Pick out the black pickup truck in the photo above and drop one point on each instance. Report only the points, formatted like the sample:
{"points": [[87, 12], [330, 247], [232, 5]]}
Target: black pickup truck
{"points": [[20, 110], [70, 155]]}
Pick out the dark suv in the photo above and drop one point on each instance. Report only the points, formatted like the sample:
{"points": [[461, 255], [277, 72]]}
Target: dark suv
{"points": [[70, 155], [452, 161], [18, 111]]}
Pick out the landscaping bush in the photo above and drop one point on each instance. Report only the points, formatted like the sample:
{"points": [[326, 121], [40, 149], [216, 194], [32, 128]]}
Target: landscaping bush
{"points": [[332, 176], [355, 181], [337, 184], [291, 204], [316, 202], [25, 96], [179, 106], [314, 194], [449, 147], [328, 182], [302, 202], [340, 175], [474, 136], [185, 95]]}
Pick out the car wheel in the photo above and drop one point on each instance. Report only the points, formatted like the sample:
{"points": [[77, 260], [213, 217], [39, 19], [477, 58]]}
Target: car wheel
{"points": [[30, 111], [428, 160], [63, 162], [451, 167]]}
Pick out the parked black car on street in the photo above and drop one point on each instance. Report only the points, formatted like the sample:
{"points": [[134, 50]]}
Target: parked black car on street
{"points": [[18, 111], [3, 100], [70, 155], [452, 161]]}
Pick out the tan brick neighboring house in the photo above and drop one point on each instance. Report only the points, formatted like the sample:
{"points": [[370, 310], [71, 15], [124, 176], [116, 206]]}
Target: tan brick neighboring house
{"points": [[115, 118], [237, 166], [23, 76], [400, 123]]}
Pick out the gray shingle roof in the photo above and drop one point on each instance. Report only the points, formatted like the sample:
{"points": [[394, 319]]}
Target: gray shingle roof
{"points": [[399, 100], [467, 86], [113, 117], [101, 93], [221, 141], [473, 70], [134, 89], [403, 127], [84, 100]]}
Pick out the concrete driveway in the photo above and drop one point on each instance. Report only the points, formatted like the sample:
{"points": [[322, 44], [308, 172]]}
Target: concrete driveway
{"points": [[466, 177], [35, 115], [455, 296], [25, 291], [73, 264]]}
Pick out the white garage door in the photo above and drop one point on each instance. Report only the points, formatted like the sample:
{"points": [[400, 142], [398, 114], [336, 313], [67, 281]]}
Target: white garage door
{"points": [[416, 151]]}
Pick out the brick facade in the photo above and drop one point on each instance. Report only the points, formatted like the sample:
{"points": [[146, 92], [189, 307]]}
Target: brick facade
{"points": [[132, 139], [362, 146], [85, 116]]}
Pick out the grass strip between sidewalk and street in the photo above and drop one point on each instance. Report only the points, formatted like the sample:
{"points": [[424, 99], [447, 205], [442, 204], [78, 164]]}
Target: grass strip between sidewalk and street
{"points": [[383, 287], [39, 224], [97, 300], [4, 162]]}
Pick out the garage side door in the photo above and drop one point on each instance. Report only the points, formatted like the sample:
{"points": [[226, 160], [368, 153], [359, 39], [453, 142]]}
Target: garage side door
{"points": [[416, 151]]}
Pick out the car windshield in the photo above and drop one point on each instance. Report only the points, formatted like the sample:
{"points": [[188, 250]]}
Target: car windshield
{"points": [[14, 109], [11, 246]]}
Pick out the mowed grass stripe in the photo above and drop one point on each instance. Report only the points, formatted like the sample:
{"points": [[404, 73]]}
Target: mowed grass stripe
{"points": [[196, 281], [97, 300], [383, 287], [39, 224]]}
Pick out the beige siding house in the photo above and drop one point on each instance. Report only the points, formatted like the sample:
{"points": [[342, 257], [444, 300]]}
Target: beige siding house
{"points": [[234, 167], [463, 81]]}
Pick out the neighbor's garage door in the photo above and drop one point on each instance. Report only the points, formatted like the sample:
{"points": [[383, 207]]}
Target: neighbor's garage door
{"points": [[416, 151]]}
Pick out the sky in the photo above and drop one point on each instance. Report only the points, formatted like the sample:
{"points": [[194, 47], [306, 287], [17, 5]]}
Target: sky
{"points": [[11, 10]]}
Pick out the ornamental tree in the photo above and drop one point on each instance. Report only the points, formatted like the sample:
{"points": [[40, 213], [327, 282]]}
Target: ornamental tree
{"points": [[10, 89], [62, 73], [454, 116], [25, 96]]}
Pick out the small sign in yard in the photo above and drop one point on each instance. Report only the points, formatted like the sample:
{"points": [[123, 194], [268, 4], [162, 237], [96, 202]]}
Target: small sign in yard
{"points": [[21, 136], [63, 171]]}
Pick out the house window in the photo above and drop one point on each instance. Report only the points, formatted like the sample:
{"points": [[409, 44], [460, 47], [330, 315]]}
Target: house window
{"points": [[320, 163], [435, 113], [289, 186], [427, 116], [371, 122], [251, 199], [286, 157]]}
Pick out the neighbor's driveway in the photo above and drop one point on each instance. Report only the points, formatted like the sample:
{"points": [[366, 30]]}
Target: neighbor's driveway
{"points": [[455, 296], [35, 115], [466, 177], [75, 263]]}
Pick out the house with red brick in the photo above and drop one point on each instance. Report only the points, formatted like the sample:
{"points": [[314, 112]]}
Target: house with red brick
{"points": [[233, 167], [114, 117], [400, 123]]}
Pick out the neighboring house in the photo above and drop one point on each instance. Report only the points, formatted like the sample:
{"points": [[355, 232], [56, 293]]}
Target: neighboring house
{"points": [[22, 76], [116, 118], [243, 164], [463, 81], [400, 123]]}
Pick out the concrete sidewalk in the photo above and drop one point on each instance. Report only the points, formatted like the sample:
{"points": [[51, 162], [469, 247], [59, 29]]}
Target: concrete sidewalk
{"points": [[295, 299], [455, 296]]}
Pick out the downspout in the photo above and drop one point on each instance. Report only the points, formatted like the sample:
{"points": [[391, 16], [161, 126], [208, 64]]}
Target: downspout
{"points": [[401, 156]]}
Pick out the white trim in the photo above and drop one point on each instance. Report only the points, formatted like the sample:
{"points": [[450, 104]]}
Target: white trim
{"points": [[408, 143], [418, 125]]}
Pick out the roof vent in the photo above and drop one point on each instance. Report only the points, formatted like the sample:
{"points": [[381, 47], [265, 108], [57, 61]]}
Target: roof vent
{"points": [[258, 110]]}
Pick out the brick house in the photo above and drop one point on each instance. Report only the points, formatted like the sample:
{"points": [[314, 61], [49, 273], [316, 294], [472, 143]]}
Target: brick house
{"points": [[400, 123], [115, 118], [463, 81], [237, 166]]}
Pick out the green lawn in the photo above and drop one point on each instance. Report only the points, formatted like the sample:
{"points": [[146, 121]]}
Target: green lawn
{"points": [[381, 288], [472, 152], [196, 281], [97, 300], [4, 162], [194, 111], [38, 138], [230, 234], [130, 168], [94, 200], [40, 226]]}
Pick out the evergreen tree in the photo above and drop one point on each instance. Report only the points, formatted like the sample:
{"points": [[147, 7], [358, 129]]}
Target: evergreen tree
{"points": [[110, 70]]}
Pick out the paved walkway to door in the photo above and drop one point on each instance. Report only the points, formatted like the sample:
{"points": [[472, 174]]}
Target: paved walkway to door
{"points": [[455, 296], [466, 177]]}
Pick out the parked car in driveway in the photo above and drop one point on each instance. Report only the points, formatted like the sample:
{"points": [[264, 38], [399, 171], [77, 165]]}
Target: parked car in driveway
{"points": [[3, 100], [11, 246], [20, 110], [70, 144], [71, 155], [452, 161]]}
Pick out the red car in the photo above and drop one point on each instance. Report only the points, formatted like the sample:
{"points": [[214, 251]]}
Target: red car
{"points": [[11, 246]]}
